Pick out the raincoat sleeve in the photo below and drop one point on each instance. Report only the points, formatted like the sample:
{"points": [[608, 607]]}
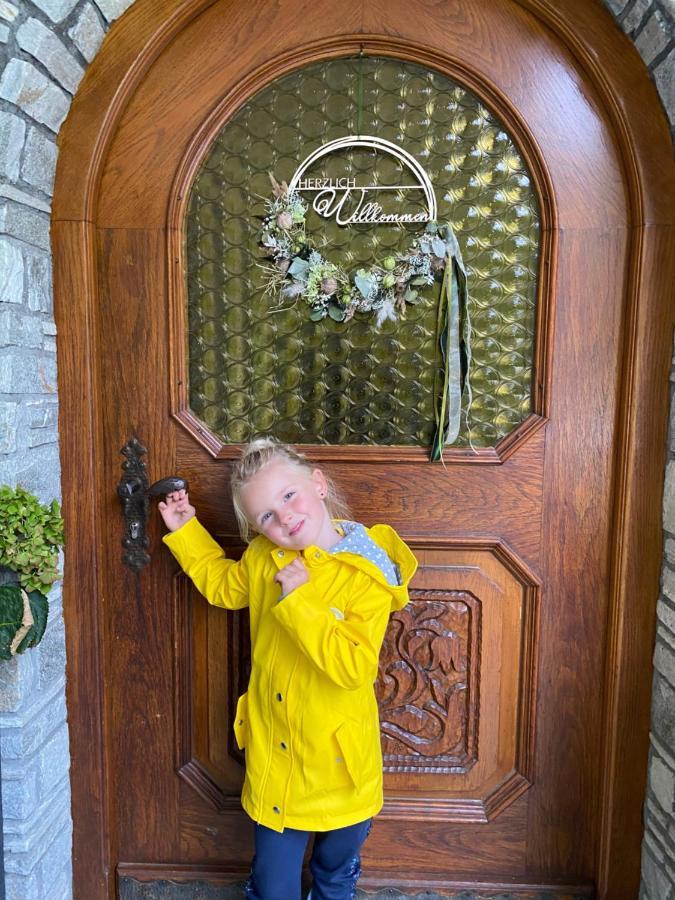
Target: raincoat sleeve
{"points": [[346, 650], [224, 582]]}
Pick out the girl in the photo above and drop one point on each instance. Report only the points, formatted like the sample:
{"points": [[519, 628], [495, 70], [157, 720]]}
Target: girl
{"points": [[320, 590]]}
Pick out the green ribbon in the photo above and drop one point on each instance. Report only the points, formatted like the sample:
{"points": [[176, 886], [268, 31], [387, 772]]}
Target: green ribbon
{"points": [[453, 330], [359, 108]]}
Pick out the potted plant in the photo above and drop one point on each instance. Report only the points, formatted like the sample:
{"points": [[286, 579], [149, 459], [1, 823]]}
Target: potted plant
{"points": [[31, 535]]}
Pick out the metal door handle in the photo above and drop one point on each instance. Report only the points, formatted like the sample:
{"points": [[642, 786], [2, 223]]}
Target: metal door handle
{"points": [[134, 493]]}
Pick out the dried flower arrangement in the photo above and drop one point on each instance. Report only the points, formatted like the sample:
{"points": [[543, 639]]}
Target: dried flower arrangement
{"points": [[297, 270]]}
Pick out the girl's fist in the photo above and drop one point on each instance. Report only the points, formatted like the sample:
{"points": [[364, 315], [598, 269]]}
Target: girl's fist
{"points": [[292, 576], [176, 509]]}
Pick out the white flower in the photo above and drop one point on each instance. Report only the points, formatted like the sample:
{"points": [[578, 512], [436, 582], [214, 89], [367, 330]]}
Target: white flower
{"points": [[386, 311], [294, 289]]}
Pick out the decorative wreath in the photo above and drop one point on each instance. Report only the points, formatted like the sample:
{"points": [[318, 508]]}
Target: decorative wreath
{"points": [[298, 271]]}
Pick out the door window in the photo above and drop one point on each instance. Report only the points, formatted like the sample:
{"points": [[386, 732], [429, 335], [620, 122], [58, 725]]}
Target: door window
{"points": [[255, 368]]}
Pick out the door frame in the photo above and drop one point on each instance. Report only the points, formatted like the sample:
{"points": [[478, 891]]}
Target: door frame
{"points": [[641, 134]]}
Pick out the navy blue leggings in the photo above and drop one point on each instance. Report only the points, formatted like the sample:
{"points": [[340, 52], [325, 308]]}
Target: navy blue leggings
{"points": [[335, 864]]}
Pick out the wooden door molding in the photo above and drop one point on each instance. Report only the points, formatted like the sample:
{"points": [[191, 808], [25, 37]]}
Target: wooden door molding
{"points": [[92, 191], [498, 102]]}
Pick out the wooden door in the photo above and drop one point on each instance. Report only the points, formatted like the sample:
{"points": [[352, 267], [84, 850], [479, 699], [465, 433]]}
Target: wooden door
{"points": [[526, 547]]}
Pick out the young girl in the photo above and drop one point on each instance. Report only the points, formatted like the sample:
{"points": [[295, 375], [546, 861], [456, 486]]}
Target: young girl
{"points": [[320, 590]]}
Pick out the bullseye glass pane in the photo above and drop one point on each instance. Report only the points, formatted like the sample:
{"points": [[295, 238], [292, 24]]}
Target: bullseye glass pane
{"points": [[258, 365]]}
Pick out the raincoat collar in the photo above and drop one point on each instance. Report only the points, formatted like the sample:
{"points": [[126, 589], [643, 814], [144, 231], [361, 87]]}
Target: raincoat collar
{"points": [[385, 537]]}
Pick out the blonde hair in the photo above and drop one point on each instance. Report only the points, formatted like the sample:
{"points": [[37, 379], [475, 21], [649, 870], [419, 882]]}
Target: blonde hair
{"points": [[256, 456]]}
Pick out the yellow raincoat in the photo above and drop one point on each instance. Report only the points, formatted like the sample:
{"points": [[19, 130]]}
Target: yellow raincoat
{"points": [[309, 721]]}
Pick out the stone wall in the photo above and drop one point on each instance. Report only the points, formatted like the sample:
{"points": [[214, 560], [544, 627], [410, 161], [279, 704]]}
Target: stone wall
{"points": [[651, 26], [45, 47], [658, 847]]}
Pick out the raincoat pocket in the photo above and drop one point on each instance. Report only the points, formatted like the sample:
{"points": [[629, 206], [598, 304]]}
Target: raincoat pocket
{"points": [[350, 738], [241, 721], [326, 768]]}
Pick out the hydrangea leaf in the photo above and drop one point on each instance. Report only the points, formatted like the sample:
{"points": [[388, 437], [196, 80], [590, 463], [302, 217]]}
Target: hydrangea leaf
{"points": [[11, 616], [39, 606]]}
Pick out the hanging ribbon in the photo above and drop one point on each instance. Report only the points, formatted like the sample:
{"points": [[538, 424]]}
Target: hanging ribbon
{"points": [[454, 335], [359, 108]]}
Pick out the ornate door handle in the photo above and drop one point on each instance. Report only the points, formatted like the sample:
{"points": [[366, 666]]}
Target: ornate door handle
{"points": [[134, 493]]}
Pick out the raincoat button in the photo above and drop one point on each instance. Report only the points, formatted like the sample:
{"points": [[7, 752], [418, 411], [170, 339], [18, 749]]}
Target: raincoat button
{"points": [[317, 555], [280, 553], [276, 809], [284, 746], [280, 697]]}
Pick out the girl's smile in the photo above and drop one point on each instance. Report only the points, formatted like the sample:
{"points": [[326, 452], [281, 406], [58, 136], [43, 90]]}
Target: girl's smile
{"points": [[286, 504]]}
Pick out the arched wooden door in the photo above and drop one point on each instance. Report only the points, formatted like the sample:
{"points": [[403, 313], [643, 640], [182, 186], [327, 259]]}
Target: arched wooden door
{"points": [[540, 552]]}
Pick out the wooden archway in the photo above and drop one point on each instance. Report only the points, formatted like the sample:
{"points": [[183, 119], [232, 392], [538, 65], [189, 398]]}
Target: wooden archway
{"points": [[89, 184]]}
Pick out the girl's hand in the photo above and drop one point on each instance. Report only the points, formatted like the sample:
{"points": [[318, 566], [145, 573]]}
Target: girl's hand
{"points": [[292, 576], [176, 509]]}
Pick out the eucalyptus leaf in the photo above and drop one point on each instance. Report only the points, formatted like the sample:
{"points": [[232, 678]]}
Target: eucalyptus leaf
{"points": [[336, 313], [431, 228], [419, 280], [299, 268], [438, 246], [317, 314], [365, 285]]}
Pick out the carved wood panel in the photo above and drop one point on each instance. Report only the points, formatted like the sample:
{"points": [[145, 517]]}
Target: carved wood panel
{"points": [[428, 683]]}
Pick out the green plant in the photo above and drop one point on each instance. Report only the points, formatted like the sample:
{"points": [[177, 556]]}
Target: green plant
{"points": [[31, 535]]}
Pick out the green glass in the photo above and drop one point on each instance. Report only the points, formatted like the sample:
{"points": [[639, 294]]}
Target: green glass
{"points": [[257, 365]]}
